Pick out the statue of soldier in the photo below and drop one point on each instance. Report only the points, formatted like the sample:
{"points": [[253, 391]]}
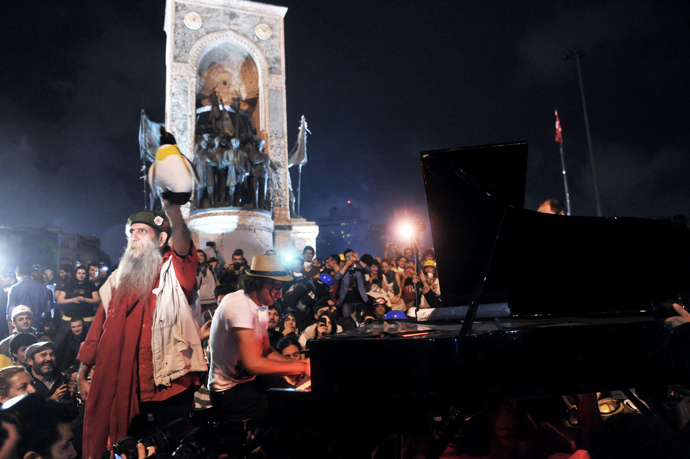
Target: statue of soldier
{"points": [[204, 171], [215, 157], [228, 164], [215, 116], [227, 128], [258, 174], [272, 173], [242, 167]]}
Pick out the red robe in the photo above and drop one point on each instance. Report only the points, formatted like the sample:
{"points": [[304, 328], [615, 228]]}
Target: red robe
{"points": [[119, 344]]}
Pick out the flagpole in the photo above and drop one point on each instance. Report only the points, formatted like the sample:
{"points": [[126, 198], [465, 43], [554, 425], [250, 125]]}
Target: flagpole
{"points": [[299, 189], [559, 139], [577, 53], [565, 179], [142, 129]]}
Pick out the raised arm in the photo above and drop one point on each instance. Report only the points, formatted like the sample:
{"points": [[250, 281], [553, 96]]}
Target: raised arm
{"points": [[181, 238]]}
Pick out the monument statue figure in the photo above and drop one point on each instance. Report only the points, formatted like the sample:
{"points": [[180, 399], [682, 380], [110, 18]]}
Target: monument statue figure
{"points": [[228, 164], [204, 171], [258, 174], [242, 166], [215, 157], [214, 118]]}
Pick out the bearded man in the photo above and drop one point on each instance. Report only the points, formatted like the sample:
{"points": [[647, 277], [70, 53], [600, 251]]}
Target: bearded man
{"points": [[143, 342], [44, 377]]}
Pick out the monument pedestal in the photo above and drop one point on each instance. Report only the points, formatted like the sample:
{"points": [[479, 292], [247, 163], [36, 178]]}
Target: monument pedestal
{"points": [[304, 233], [250, 230], [230, 229]]}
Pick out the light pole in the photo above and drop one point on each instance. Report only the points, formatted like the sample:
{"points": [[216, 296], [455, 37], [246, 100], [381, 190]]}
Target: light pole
{"points": [[576, 54]]}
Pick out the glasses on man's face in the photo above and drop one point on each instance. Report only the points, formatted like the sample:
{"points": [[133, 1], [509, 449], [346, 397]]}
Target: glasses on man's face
{"points": [[277, 285]]}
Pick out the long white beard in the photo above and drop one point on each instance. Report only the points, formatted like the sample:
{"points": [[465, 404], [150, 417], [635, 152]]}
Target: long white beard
{"points": [[137, 274]]}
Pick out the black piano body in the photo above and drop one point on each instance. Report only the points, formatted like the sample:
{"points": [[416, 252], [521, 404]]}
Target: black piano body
{"points": [[580, 294]]}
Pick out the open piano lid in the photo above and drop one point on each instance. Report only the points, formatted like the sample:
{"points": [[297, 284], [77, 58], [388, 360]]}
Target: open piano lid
{"points": [[541, 264]]}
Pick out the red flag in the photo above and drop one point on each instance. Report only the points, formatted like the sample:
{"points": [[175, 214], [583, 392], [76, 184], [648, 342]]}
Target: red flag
{"points": [[559, 134]]}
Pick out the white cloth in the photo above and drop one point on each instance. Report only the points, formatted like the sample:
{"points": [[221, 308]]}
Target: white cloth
{"points": [[236, 310], [175, 335]]}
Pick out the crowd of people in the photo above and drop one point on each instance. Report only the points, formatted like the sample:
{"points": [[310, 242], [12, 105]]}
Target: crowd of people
{"points": [[71, 336], [177, 336]]}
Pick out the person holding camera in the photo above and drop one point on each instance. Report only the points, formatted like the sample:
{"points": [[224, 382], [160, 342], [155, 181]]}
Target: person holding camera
{"points": [[206, 275], [231, 274], [320, 307], [352, 292]]}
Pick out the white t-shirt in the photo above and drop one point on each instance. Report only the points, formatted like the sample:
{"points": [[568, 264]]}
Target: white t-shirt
{"points": [[236, 310]]}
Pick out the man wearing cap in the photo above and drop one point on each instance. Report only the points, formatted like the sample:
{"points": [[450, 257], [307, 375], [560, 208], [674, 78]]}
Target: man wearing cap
{"points": [[143, 342], [45, 379], [29, 293], [22, 321], [240, 349], [18, 345]]}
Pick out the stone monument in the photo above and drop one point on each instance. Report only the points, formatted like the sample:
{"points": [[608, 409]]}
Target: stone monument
{"points": [[226, 106]]}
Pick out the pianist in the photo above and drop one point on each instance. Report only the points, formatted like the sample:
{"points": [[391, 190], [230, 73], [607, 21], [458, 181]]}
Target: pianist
{"points": [[240, 348]]}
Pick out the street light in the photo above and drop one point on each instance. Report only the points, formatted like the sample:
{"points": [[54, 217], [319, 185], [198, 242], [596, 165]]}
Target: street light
{"points": [[413, 231], [576, 54]]}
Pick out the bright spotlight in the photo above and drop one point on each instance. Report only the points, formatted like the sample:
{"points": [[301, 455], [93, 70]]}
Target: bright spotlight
{"points": [[406, 230]]}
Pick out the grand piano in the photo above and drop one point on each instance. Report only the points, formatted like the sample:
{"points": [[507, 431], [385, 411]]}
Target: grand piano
{"points": [[534, 305]]}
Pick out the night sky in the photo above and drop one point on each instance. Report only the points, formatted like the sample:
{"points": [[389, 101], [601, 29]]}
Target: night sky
{"points": [[378, 83]]}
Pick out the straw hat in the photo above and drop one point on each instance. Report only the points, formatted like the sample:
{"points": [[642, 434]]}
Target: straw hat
{"points": [[269, 266]]}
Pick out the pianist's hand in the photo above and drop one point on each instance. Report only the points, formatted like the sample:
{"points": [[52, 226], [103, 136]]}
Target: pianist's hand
{"points": [[683, 316]]}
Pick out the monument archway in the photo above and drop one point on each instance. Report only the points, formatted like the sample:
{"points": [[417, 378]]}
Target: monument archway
{"points": [[232, 66], [233, 49]]}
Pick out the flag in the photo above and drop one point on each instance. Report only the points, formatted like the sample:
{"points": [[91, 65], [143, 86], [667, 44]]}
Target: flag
{"points": [[149, 137], [559, 133], [298, 154]]}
